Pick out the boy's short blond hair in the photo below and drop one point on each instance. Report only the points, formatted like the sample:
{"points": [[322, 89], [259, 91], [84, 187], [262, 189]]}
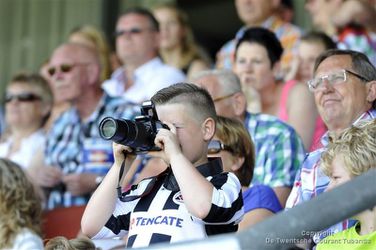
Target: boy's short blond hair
{"points": [[188, 94], [356, 145]]}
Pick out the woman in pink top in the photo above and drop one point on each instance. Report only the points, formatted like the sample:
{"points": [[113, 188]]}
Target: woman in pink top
{"points": [[257, 63], [310, 47]]}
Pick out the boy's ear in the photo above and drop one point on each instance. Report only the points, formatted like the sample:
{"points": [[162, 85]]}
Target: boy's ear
{"points": [[208, 129], [237, 163], [239, 103], [371, 95]]}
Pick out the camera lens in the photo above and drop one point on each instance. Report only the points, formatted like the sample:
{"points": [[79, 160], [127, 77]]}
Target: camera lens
{"points": [[108, 128], [126, 132]]}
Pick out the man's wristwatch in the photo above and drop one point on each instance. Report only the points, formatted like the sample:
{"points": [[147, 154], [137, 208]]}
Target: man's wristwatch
{"points": [[98, 180]]}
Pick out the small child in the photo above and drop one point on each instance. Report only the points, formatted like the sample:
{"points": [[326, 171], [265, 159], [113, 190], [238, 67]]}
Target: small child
{"points": [[60, 242], [348, 156], [192, 199]]}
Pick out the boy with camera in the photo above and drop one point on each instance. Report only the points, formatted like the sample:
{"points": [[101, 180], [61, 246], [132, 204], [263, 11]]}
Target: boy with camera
{"points": [[192, 199]]}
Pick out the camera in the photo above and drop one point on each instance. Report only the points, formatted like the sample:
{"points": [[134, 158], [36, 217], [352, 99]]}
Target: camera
{"points": [[138, 134]]}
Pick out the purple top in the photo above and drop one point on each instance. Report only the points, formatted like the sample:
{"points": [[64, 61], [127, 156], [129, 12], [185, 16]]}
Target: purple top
{"points": [[261, 196]]}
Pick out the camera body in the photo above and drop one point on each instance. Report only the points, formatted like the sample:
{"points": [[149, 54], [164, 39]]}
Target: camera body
{"points": [[138, 134]]}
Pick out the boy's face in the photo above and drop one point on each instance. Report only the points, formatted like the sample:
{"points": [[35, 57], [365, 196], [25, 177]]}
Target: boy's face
{"points": [[339, 175], [189, 131]]}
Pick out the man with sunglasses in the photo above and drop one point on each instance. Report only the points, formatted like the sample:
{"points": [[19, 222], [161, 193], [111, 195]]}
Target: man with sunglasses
{"points": [[143, 73], [76, 157], [279, 149], [344, 87]]}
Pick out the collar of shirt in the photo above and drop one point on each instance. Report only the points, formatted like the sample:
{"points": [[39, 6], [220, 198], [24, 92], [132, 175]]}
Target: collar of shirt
{"points": [[368, 115], [147, 67], [267, 24], [211, 168], [115, 86]]}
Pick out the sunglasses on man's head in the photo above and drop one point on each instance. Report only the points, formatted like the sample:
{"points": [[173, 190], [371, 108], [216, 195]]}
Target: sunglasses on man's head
{"points": [[65, 68], [216, 146], [23, 97]]}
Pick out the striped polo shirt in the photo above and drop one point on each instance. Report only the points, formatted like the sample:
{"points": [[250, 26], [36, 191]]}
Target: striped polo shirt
{"points": [[154, 210]]}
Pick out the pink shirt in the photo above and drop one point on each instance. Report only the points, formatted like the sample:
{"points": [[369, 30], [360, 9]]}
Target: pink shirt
{"points": [[320, 127]]}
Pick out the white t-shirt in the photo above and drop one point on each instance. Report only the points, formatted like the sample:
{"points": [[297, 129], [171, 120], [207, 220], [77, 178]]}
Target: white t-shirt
{"points": [[148, 79], [27, 240], [29, 146]]}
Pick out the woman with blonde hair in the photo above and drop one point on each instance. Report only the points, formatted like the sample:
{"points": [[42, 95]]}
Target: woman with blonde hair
{"points": [[177, 45], [234, 145], [94, 38], [28, 103], [20, 209]]}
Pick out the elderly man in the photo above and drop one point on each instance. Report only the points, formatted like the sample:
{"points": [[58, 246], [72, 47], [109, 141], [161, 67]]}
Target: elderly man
{"points": [[279, 150], [344, 87], [143, 73], [76, 157]]}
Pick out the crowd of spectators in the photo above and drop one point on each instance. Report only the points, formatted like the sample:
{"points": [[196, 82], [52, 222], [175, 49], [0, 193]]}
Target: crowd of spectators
{"points": [[289, 112]]}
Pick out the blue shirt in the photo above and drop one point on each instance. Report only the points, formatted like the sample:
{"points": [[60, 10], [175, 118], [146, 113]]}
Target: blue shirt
{"points": [[261, 196], [68, 145], [279, 150]]}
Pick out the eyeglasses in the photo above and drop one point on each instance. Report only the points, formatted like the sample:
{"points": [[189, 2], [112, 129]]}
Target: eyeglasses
{"points": [[223, 97], [216, 146], [333, 79], [23, 97], [132, 31], [65, 68]]}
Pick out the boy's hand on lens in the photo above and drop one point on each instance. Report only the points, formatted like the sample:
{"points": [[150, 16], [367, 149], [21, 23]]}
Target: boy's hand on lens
{"points": [[168, 142]]}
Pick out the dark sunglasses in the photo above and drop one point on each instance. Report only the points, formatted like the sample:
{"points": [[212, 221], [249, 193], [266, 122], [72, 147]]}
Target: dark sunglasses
{"points": [[216, 146], [65, 68], [132, 31], [23, 97]]}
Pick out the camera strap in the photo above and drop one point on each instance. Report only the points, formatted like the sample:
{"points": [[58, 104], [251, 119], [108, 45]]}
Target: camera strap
{"points": [[125, 197], [119, 191]]}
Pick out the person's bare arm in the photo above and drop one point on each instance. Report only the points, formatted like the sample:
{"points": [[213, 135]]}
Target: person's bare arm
{"points": [[302, 113], [153, 167], [253, 217], [282, 194], [102, 203]]}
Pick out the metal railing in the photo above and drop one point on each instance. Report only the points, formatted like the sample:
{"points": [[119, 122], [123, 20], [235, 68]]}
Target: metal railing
{"points": [[286, 229]]}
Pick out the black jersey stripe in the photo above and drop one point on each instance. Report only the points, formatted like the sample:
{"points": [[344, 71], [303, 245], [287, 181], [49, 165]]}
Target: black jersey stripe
{"points": [[121, 222], [131, 240], [220, 180], [144, 203], [170, 204], [220, 214], [220, 229], [158, 238]]}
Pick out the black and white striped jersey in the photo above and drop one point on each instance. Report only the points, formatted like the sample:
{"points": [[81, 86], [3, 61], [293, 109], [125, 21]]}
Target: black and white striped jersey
{"points": [[158, 214]]}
